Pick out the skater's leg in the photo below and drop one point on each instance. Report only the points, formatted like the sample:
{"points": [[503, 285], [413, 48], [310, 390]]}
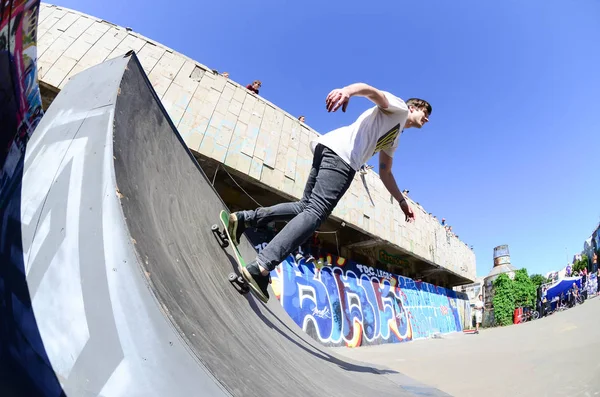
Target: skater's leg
{"points": [[333, 178], [260, 217]]}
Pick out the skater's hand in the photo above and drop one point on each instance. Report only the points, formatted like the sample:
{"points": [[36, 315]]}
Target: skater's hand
{"points": [[336, 98], [408, 212]]}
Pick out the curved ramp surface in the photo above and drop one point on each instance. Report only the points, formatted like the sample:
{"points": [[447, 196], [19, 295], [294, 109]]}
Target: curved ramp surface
{"points": [[128, 286]]}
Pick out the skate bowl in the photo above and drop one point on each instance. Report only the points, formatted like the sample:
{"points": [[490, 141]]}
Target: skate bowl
{"points": [[113, 283]]}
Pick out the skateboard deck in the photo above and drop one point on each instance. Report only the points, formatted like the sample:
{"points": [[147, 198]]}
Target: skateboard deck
{"points": [[244, 281]]}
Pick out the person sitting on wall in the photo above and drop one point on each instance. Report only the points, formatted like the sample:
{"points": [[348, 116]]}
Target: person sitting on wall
{"points": [[364, 168], [254, 87]]}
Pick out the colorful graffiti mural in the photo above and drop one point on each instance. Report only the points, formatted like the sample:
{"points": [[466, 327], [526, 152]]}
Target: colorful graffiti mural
{"points": [[343, 303], [20, 99]]}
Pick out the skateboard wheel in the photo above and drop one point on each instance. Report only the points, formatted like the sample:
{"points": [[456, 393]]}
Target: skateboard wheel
{"points": [[241, 280], [232, 277], [214, 228]]}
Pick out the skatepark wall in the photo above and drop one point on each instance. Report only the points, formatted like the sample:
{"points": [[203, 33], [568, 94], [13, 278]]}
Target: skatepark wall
{"points": [[222, 120], [20, 113], [20, 100], [340, 302]]}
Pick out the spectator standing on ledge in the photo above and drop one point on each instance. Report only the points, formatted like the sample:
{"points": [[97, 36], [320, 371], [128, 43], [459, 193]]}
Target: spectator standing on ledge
{"points": [[301, 119], [254, 86]]}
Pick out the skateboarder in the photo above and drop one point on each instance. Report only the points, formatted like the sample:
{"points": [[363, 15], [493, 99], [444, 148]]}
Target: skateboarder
{"points": [[337, 156]]}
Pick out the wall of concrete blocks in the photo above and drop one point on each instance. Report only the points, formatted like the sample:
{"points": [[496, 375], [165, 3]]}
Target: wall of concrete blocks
{"points": [[222, 120]]}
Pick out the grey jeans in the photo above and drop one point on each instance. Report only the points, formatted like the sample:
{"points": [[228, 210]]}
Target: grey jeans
{"points": [[329, 178]]}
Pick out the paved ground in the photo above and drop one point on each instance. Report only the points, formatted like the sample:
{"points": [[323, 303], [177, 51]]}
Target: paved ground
{"points": [[554, 356]]}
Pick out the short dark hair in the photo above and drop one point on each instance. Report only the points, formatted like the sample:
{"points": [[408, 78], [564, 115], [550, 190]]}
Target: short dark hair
{"points": [[419, 103]]}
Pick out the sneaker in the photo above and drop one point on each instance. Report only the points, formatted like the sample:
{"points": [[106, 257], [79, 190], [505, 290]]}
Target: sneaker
{"points": [[237, 225], [253, 275]]}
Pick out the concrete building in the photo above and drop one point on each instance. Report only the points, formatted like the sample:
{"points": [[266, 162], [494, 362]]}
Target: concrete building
{"points": [[255, 152], [502, 264], [472, 290]]}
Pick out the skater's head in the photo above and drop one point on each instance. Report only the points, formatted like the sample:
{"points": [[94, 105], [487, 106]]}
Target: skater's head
{"points": [[419, 112]]}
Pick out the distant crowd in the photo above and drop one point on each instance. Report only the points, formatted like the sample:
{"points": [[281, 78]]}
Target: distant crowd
{"points": [[447, 228], [571, 297]]}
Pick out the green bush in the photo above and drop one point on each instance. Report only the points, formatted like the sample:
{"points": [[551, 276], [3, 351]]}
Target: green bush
{"points": [[538, 279], [524, 289], [504, 300]]}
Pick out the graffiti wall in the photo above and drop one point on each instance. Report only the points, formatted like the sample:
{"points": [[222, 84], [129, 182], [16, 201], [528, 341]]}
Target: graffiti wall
{"points": [[20, 100], [20, 112], [343, 303]]}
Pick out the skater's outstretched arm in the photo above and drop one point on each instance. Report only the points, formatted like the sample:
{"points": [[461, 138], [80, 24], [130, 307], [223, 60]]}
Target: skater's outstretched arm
{"points": [[341, 96], [385, 173]]}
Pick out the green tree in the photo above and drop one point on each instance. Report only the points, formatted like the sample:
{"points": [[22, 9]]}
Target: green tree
{"points": [[580, 264], [538, 279], [524, 289], [504, 299]]}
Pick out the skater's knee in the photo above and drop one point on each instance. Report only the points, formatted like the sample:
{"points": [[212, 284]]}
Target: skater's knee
{"points": [[318, 212], [302, 204]]}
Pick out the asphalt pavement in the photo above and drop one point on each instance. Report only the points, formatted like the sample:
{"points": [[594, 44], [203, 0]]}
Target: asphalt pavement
{"points": [[554, 356]]}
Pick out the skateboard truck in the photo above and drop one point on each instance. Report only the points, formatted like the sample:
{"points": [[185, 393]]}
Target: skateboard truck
{"points": [[220, 235], [239, 282]]}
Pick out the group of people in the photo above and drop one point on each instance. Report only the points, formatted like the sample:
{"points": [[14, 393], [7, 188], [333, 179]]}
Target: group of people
{"points": [[565, 300], [571, 297]]}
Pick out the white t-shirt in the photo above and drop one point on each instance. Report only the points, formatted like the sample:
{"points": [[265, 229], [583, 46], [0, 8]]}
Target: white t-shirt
{"points": [[375, 130], [478, 305]]}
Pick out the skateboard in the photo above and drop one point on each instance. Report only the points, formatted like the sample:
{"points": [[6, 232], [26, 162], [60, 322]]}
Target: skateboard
{"points": [[241, 282]]}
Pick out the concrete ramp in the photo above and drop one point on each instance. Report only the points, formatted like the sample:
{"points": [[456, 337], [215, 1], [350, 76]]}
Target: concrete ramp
{"points": [[113, 283]]}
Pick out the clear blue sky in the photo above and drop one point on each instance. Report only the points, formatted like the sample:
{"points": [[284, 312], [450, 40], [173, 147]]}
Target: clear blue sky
{"points": [[511, 152]]}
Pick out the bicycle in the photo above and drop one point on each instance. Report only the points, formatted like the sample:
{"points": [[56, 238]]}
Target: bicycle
{"points": [[529, 315], [560, 306]]}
